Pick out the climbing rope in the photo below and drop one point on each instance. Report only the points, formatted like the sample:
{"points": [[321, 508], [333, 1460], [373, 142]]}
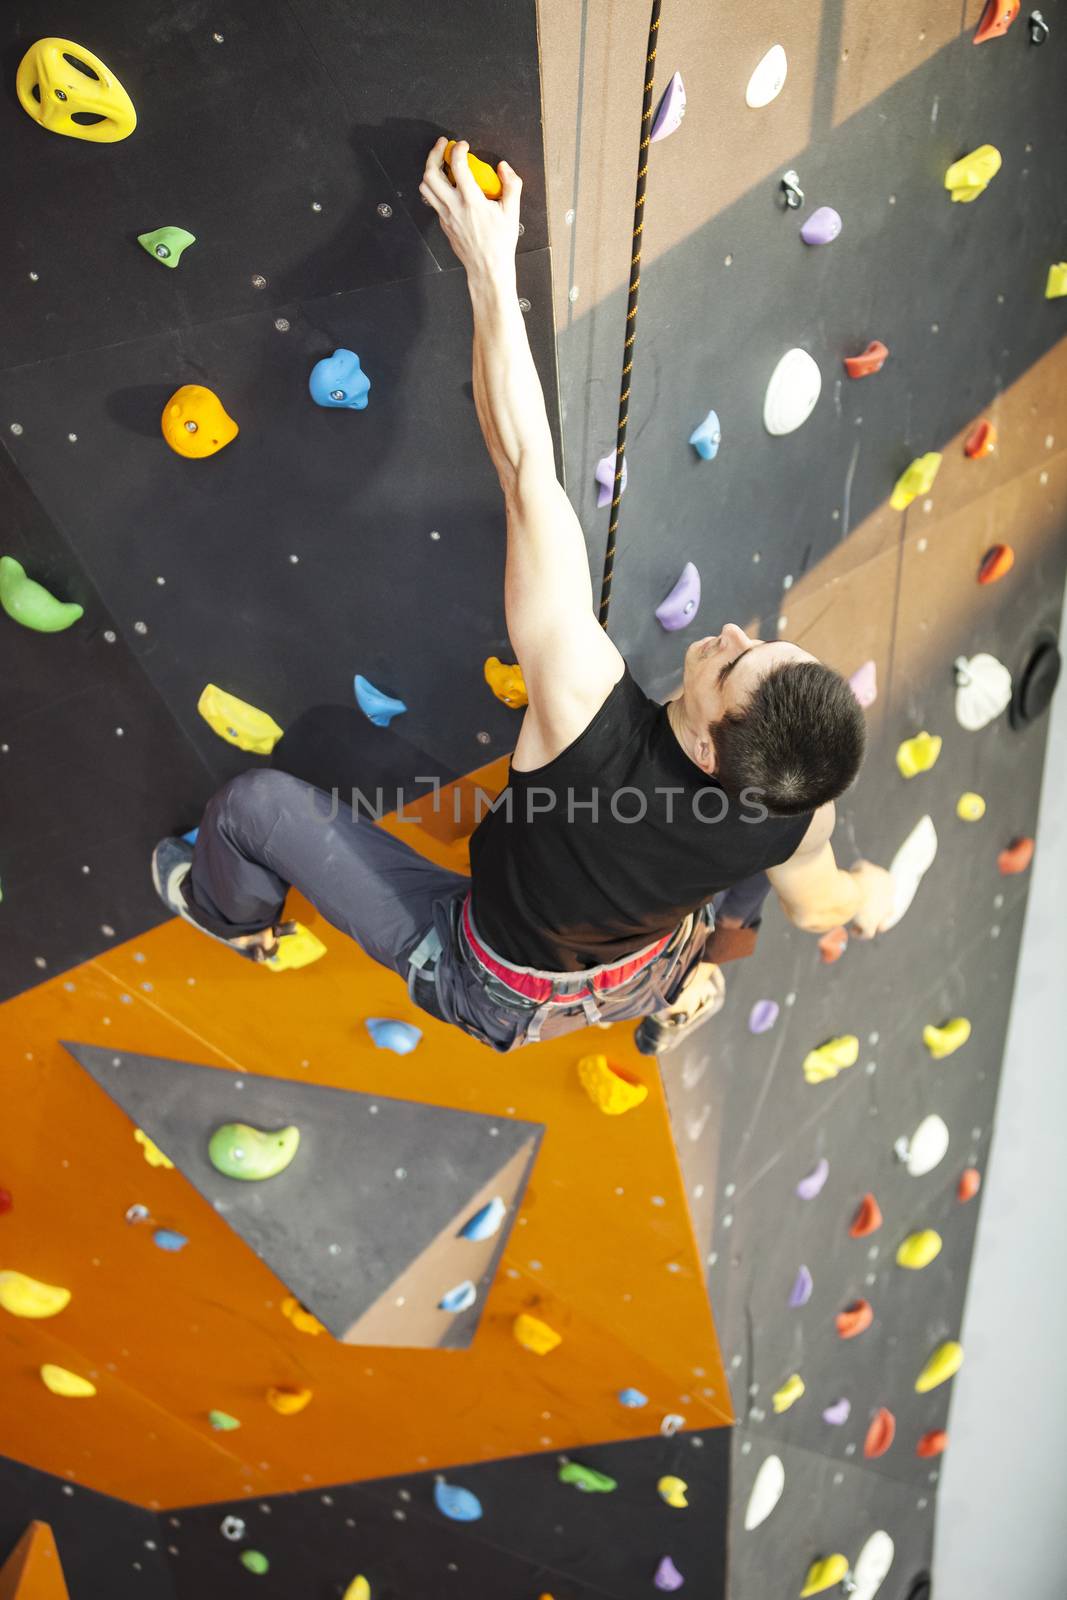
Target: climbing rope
{"points": [[631, 312]]}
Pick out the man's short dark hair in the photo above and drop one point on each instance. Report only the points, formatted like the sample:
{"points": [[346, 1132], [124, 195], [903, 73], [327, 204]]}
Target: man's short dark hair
{"points": [[798, 741]]}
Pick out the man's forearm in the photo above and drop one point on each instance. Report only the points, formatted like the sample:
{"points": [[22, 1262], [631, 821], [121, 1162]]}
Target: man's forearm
{"points": [[834, 906], [507, 390]]}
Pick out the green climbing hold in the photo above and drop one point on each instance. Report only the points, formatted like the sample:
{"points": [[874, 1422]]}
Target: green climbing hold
{"points": [[238, 1151], [167, 244], [586, 1478], [255, 1561], [222, 1422], [30, 603]]}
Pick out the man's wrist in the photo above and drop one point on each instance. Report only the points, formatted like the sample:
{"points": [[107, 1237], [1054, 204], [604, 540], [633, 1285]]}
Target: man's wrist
{"points": [[492, 287]]}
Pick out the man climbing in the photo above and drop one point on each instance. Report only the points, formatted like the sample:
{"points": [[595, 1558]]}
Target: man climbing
{"points": [[593, 879]]}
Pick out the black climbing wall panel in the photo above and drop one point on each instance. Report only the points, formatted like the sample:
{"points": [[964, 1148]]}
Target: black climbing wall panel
{"points": [[319, 544]]}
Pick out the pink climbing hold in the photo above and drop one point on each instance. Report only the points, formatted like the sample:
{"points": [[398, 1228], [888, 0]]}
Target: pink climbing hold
{"points": [[864, 684], [668, 1578], [668, 118], [605, 477], [812, 1185]]}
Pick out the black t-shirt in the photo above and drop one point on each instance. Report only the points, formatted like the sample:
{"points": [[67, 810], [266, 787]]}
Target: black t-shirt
{"points": [[605, 848]]}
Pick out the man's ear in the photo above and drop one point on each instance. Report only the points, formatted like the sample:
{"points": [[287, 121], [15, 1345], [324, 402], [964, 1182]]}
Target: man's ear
{"points": [[704, 754]]}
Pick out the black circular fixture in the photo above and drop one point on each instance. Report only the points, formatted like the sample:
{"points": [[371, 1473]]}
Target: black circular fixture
{"points": [[1036, 683]]}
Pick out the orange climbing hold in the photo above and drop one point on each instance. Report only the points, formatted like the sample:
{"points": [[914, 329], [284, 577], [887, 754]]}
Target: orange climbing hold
{"points": [[998, 559], [933, 1443], [880, 1434], [997, 18], [981, 441], [969, 1184], [287, 1400], [854, 1320], [1017, 857], [833, 945], [868, 1218], [484, 175], [872, 359]]}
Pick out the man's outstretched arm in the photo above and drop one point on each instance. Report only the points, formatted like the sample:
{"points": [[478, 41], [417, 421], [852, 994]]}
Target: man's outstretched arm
{"points": [[817, 895], [567, 660]]}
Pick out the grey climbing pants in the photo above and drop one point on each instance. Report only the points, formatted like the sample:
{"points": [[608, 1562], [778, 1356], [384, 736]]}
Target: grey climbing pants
{"points": [[266, 831]]}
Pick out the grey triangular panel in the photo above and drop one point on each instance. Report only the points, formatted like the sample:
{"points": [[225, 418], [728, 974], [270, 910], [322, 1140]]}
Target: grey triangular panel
{"points": [[370, 1189]]}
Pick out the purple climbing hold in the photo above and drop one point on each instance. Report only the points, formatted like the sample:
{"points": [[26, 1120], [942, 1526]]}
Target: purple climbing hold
{"points": [[822, 227], [810, 1186], [668, 118], [668, 1578], [837, 1414], [800, 1293], [763, 1016], [605, 476], [680, 606], [864, 684]]}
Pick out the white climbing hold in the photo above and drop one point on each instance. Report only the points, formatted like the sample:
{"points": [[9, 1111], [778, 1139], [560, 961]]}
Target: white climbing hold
{"points": [[461, 1298], [792, 392], [768, 80], [485, 1221], [910, 864], [926, 1147], [983, 690], [766, 1492], [872, 1566]]}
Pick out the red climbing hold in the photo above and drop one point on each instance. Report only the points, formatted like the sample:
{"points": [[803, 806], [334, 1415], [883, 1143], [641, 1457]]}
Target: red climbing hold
{"points": [[854, 1320], [832, 945], [981, 441], [969, 1184], [880, 1434], [932, 1443], [1017, 857], [998, 559], [868, 1218], [997, 18], [6, 1201], [872, 359]]}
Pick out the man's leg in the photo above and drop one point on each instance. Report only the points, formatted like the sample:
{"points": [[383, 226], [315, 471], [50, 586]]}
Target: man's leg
{"points": [[266, 831]]}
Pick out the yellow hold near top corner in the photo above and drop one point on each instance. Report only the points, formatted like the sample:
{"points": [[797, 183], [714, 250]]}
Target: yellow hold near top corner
{"points": [[238, 722], [966, 178], [1056, 282], [58, 80], [824, 1574], [916, 479]]}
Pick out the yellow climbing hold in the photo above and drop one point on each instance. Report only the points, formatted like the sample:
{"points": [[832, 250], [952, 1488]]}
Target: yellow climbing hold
{"points": [[67, 1384], [970, 807], [507, 683], [611, 1090], [296, 949], [673, 1491], [535, 1335], [484, 175], [195, 422], [919, 1249], [824, 1574], [358, 1589], [287, 1400], [946, 1040], [788, 1394], [1056, 283], [966, 179], [945, 1362], [152, 1153], [918, 754], [237, 722], [915, 480], [301, 1318], [53, 91], [28, 1297], [831, 1058]]}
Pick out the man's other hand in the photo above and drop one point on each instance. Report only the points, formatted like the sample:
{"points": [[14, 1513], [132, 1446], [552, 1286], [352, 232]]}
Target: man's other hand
{"points": [[876, 900], [484, 233]]}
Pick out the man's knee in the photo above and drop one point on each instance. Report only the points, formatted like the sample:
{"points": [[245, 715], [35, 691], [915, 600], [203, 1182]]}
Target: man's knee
{"points": [[250, 805]]}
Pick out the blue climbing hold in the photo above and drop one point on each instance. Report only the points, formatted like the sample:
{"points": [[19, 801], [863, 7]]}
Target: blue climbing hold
{"points": [[389, 1034], [167, 1239], [339, 381], [461, 1298], [380, 708], [459, 1505], [633, 1398], [486, 1221], [191, 836], [707, 438], [680, 606]]}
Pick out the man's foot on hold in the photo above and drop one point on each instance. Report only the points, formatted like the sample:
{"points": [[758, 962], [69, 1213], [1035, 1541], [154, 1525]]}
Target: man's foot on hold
{"points": [[172, 860], [701, 998]]}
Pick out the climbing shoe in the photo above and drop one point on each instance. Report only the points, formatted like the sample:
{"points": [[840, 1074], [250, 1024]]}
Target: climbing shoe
{"points": [[664, 1030], [172, 861]]}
